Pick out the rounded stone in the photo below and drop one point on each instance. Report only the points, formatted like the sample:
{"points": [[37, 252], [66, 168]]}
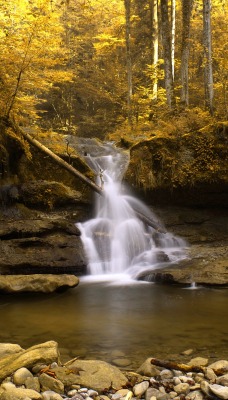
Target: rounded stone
{"points": [[140, 388], [51, 395], [195, 395], [92, 393], [121, 362], [182, 388], [21, 375], [220, 391], [198, 362], [222, 380], [166, 374], [219, 365]]}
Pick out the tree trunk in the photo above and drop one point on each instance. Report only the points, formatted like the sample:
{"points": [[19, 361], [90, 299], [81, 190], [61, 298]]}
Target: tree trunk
{"points": [[54, 157], [127, 4], [173, 32], [154, 47], [208, 71], [166, 39], [186, 18], [183, 367]]}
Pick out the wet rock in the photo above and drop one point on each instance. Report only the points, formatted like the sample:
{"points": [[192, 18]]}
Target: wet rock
{"points": [[187, 352], [37, 283], [121, 362]]}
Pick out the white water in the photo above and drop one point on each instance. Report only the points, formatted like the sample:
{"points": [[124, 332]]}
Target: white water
{"points": [[116, 241]]}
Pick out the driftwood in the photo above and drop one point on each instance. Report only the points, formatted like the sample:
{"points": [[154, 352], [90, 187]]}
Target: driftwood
{"points": [[75, 172], [184, 367], [44, 353]]}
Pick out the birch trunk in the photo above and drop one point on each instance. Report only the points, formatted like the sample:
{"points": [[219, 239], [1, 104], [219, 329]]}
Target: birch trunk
{"points": [[208, 71], [173, 32], [127, 4], [154, 47], [185, 48], [166, 39]]}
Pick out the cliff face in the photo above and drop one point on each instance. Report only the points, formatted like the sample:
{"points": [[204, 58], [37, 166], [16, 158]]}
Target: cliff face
{"points": [[191, 169]]}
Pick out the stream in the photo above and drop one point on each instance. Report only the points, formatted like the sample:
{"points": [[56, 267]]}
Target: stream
{"points": [[110, 310], [140, 319]]}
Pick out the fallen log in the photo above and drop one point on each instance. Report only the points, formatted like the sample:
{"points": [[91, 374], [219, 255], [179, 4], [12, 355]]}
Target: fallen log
{"points": [[184, 367], [176, 366], [74, 171], [44, 353], [56, 158]]}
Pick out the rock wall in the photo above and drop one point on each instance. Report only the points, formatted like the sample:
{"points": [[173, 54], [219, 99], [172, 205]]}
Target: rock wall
{"points": [[191, 169]]}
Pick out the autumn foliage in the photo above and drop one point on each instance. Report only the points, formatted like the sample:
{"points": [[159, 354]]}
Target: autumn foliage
{"points": [[69, 66]]}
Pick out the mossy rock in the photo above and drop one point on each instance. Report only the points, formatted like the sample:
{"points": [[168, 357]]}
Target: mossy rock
{"points": [[47, 194], [183, 161]]}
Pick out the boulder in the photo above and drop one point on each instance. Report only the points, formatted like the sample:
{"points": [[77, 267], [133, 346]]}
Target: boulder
{"points": [[37, 283], [97, 375], [42, 353], [9, 348]]}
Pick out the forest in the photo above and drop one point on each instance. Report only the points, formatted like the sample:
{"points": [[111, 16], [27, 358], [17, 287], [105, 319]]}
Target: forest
{"points": [[94, 68]]}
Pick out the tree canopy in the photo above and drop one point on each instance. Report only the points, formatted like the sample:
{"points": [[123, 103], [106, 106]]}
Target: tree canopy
{"points": [[92, 67]]}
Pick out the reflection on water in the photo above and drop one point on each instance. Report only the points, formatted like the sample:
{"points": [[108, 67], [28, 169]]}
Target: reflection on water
{"points": [[141, 319]]}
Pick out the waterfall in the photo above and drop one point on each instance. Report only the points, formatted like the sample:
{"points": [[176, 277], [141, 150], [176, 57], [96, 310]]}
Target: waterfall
{"points": [[116, 241]]}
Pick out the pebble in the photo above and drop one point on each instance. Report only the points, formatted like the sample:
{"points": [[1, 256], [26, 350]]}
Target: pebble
{"points": [[155, 384], [187, 352], [140, 388], [182, 388], [166, 374], [198, 361], [21, 375], [196, 395], [222, 380], [121, 362], [219, 391]]}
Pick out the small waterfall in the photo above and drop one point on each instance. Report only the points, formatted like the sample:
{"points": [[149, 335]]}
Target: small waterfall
{"points": [[116, 240]]}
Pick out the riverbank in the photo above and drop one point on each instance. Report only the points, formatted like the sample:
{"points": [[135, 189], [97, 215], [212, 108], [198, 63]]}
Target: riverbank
{"points": [[39, 373]]}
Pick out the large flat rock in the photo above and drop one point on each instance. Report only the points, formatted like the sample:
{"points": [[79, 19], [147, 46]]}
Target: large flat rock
{"points": [[36, 283]]}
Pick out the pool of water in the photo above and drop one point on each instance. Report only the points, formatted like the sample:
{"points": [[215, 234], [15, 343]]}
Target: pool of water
{"points": [[141, 319]]}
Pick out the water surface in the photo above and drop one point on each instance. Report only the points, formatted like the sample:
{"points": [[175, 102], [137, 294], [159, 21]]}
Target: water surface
{"points": [[141, 319]]}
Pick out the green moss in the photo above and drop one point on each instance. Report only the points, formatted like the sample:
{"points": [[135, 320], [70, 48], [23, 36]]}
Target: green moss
{"points": [[199, 157]]}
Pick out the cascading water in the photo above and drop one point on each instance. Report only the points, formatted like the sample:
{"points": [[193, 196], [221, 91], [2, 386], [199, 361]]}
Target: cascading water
{"points": [[116, 240]]}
